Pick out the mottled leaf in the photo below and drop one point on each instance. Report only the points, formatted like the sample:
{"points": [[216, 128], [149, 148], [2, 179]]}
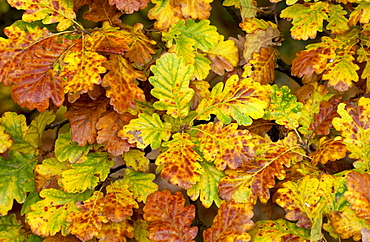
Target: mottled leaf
{"points": [[354, 126], [65, 149], [165, 13], [195, 9], [168, 218], [180, 161], [263, 65], [36, 128], [128, 7], [116, 232], [146, 130], [201, 91], [136, 159], [358, 194], [16, 179], [329, 150], [10, 229], [337, 22], [250, 25], [5, 141], [360, 14], [48, 173], [206, 189], [86, 175], [141, 231], [87, 222], [108, 127], [101, 10], [322, 121], [47, 217], [240, 99], [171, 85], [231, 223], [141, 184]]}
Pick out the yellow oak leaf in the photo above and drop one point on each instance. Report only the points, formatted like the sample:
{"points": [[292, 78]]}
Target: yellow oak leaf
{"points": [[49, 12], [250, 25], [166, 13], [201, 90], [338, 23], [195, 9], [140, 184], [354, 127], [137, 160], [180, 161], [263, 64], [5, 141], [122, 83], [360, 14], [116, 232], [225, 146], [87, 222], [329, 150], [83, 69]]}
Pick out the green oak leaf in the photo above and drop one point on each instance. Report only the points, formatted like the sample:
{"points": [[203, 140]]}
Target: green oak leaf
{"points": [[136, 159], [10, 229], [5, 141], [146, 130], [171, 85], [65, 149], [36, 128], [141, 184], [201, 66], [207, 187], [16, 179], [86, 175], [47, 217]]}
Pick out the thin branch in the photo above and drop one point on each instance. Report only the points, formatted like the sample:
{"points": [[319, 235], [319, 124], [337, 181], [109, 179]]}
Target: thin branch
{"points": [[114, 170], [56, 124], [286, 69]]}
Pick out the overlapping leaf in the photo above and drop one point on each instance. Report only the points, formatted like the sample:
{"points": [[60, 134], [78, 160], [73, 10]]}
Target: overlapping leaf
{"points": [[168, 218], [180, 161], [131, 6], [250, 25], [140, 184], [165, 13], [195, 9], [28, 59], [201, 90], [121, 79], [284, 108], [146, 130], [263, 65], [65, 149], [329, 150], [16, 179], [354, 126], [36, 128], [231, 223], [108, 127], [225, 146], [237, 99], [278, 230], [141, 231], [119, 202], [86, 175], [48, 173], [10, 229], [206, 189], [116, 231], [360, 14], [83, 116], [101, 10], [47, 217], [337, 22], [49, 12], [136, 159], [307, 19], [5, 141], [87, 222]]}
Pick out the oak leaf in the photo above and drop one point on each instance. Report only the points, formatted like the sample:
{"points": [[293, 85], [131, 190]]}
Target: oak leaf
{"points": [[48, 173], [166, 13], [49, 12], [180, 161], [201, 90], [225, 146], [136, 159], [238, 99], [168, 218], [87, 222], [119, 202], [250, 25], [47, 217], [171, 85], [121, 81], [140, 184], [263, 65], [337, 22], [116, 232], [357, 194], [202, 66], [278, 230], [5, 141], [65, 149], [146, 130], [307, 19], [329, 150], [360, 14], [28, 59], [36, 128], [206, 189], [83, 116], [354, 126], [86, 175], [11, 229], [101, 10], [82, 67], [108, 127], [128, 7], [140, 230], [231, 223], [16, 179], [195, 9]]}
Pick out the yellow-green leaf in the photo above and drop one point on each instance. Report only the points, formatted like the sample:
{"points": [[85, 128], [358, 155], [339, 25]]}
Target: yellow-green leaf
{"points": [[140, 184], [10, 229], [65, 149], [136, 159], [5, 141], [36, 128], [338, 24]]}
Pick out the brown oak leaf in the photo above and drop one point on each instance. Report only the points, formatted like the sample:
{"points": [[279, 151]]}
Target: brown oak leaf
{"points": [[129, 6], [101, 10], [358, 193], [263, 65]]}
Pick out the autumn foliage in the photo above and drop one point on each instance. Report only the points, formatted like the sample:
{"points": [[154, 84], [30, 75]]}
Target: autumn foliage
{"points": [[177, 103]]}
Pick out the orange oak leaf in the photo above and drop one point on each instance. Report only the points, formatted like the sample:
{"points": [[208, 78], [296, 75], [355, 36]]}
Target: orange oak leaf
{"points": [[329, 150], [168, 218], [83, 68], [87, 223], [225, 146], [323, 120], [108, 127], [116, 232], [358, 194], [141, 47], [109, 39], [166, 13], [101, 10], [201, 90], [195, 9], [180, 161], [121, 80], [60, 237], [129, 6], [83, 116], [79, 3], [250, 25], [119, 202], [231, 223], [28, 59], [263, 65]]}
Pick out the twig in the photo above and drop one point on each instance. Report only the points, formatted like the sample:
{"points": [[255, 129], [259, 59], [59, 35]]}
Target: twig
{"points": [[56, 124], [286, 69]]}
